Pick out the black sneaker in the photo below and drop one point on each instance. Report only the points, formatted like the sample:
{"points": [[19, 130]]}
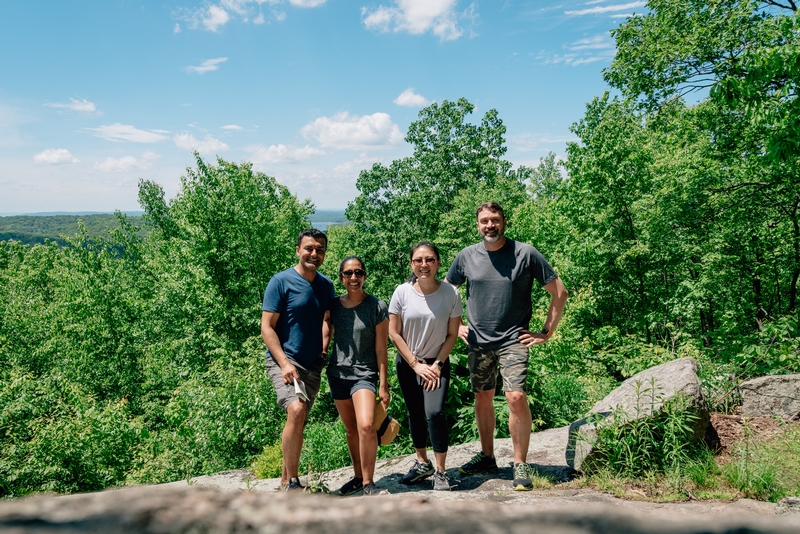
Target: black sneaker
{"points": [[372, 489], [355, 484], [522, 477], [294, 485], [418, 472], [440, 482], [480, 463]]}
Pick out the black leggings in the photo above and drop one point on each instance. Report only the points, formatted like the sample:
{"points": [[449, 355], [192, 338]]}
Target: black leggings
{"points": [[425, 408]]}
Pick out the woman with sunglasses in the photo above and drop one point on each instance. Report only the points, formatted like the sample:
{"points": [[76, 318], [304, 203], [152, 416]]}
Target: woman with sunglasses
{"points": [[424, 316], [359, 361]]}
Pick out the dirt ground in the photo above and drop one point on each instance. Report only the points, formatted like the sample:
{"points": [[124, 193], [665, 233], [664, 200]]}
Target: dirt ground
{"points": [[727, 430]]}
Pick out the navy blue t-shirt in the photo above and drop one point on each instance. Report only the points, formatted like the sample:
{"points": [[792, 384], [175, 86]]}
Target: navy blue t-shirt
{"points": [[302, 306]]}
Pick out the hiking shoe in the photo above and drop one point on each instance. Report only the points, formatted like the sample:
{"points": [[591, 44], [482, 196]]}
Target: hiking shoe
{"points": [[373, 489], [418, 472], [294, 485], [522, 477], [480, 463], [440, 482], [349, 488]]}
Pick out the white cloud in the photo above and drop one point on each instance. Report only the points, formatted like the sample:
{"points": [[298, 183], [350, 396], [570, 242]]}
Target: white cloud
{"points": [[84, 106], [187, 141], [606, 9], [176, 28], [208, 65], [527, 142], [352, 132], [259, 19], [284, 154], [583, 51], [215, 17], [123, 164], [55, 156], [598, 42], [150, 155], [126, 132], [418, 17], [231, 127], [411, 99], [306, 3]]}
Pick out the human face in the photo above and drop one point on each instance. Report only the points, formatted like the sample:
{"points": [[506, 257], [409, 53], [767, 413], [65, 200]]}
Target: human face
{"points": [[424, 263], [311, 253], [491, 225], [353, 282]]}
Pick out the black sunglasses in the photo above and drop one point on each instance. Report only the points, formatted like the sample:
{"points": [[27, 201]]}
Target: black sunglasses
{"points": [[358, 272]]}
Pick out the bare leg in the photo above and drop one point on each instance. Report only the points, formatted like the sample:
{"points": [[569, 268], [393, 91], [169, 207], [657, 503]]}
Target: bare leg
{"points": [[363, 402], [441, 461], [485, 417], [348, 415], [292, 440], [519, 424]]}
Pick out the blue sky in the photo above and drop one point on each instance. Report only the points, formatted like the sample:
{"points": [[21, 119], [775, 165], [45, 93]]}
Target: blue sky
{"points": [[95, 95]]}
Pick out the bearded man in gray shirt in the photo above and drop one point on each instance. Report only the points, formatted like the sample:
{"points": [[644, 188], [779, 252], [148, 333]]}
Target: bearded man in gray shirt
{"points": [[499, 273]]}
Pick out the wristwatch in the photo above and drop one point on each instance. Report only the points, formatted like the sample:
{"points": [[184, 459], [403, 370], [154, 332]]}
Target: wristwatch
{"points": [[546, 333], [440, 363]]}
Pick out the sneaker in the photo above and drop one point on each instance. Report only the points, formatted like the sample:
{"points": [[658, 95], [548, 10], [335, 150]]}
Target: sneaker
{"points": [[440, 482], [418, 472], [480, 463], [294, 485], [522, 477], [373, 489], [349, 488]]}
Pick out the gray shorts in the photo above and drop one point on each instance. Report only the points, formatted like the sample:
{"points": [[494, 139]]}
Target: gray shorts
{"points": [[510, 361], [285, 392]]}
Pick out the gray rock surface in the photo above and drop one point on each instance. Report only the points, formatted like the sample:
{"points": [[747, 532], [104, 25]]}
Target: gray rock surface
{"points": [[195, 509], [640, 396], [788, 505], [771, 395]]}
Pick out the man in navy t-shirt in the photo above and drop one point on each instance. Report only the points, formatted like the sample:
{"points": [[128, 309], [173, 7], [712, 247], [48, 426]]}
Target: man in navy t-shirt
{"points": [[295, 325]]}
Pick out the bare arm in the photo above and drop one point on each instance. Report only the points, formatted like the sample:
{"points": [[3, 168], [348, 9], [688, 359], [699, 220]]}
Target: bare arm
{"points": [[268, 322], [327, 332], [382, 352], [463, 330], [559, 296]]}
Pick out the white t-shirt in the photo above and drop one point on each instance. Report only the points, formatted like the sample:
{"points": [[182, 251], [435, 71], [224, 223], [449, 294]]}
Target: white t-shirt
{"points": [[425, 317]]}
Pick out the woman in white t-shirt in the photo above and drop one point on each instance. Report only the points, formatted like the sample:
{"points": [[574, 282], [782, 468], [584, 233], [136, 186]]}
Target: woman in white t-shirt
{"points": [[424, 316]]}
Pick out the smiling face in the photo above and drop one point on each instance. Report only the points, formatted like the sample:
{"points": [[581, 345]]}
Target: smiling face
{"points": [[424, 263], [353, 275], [311, 253], [491, 225]]}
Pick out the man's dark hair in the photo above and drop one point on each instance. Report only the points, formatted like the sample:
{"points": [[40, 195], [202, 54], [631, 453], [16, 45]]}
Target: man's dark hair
{"points": [[313, 233], [494, 207]]}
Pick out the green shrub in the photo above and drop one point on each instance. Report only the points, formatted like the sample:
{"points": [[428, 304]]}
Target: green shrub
{"points": [[268, 464]]}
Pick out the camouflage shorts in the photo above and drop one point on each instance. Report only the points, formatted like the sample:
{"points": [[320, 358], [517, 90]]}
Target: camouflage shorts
{"points": [[510, 361]]}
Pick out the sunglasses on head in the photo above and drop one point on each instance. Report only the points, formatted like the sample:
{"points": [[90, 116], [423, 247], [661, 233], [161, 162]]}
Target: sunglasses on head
{"points": [[358, 272], [418, 261]]}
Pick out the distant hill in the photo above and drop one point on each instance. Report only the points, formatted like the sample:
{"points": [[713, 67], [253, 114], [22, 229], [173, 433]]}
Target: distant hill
{"points": [[37, 227]]}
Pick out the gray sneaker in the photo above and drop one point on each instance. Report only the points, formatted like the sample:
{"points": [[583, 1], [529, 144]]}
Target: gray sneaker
{"points": [[294, 485], [372, 489], [522, 477], [419, 471], [440, 482]]}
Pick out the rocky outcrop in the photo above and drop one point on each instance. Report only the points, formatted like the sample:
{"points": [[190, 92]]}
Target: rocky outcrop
{"points": [[788, 505], [642, 395], [192, 509], [771, 395]]}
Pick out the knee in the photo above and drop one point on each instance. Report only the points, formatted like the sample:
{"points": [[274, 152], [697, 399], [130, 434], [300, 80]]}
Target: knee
{"points": [[296, 413], [484, 397], [517, 400], [365, 430]]}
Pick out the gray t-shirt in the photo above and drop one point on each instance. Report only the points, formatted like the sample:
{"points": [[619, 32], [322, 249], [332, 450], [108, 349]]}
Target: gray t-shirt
{"points": [[353, 356], [499, 287], [424, 318]]}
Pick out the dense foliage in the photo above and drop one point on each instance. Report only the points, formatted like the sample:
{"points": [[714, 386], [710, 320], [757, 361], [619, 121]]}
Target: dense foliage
{"points": [[134, 356]]}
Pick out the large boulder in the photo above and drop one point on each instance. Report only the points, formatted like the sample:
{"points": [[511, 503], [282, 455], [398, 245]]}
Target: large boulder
{"points": [[640, 396], [771, 395]]}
